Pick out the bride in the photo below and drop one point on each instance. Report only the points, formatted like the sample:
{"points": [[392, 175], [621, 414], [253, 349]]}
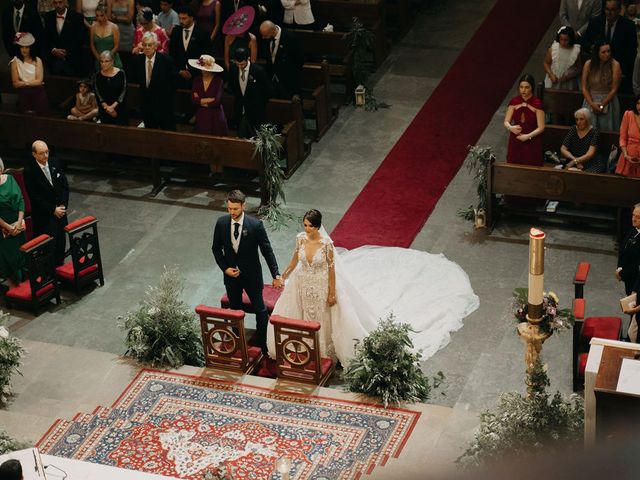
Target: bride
{"points": [[347, 292]]}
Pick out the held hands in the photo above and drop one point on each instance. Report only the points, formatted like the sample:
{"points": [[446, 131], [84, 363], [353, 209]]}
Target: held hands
{"points": [[60, 211], [515, 129], [277, 282], [232, 272], [185, 74], [331, 299], [523, 137], [618, 277]]}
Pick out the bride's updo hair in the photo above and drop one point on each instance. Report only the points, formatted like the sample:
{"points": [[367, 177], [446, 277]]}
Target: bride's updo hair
{"points": [[314, 217]]}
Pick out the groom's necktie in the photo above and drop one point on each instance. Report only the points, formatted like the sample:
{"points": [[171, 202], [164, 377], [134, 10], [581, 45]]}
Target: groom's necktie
{"points": [[236, 230]]}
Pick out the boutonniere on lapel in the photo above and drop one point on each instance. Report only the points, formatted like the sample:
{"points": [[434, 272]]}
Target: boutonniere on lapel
{"points": [[245, 232], [251, 79]]}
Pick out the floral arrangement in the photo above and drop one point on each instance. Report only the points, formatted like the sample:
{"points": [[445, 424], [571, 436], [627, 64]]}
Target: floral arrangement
{"points": [[8, 444], [11, 352], [524, 425], [553, 318], [478, 163], [385, 366], [165, 330]]}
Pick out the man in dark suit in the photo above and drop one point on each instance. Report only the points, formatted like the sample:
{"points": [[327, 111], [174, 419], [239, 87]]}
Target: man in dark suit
{"points": [[64, 33], [620, 33], [628, 269], [49, 194], [284, 59], [156, 75], [20, 17], [237, 237], [250, 87], [187, 41]]}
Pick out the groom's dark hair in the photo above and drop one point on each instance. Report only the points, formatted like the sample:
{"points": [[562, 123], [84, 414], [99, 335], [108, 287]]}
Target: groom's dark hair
{"points": [[314, 217], [236, 196], [10, 470]]}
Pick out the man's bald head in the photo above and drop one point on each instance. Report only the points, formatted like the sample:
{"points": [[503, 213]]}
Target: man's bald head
{"points": [[268, 29], [40, 151]]}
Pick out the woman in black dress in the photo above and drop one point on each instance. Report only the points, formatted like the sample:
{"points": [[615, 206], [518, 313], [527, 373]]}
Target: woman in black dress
{"points": [[111, 89], [580, 145]]}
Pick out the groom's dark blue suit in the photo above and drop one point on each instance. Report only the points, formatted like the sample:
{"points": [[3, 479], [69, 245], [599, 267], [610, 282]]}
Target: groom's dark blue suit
{"points": [[253, 237]]}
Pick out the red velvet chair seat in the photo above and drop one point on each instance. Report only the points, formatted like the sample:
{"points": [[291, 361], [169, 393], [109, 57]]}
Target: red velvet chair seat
{"points": [[582, 272], [252, 352], [23, 291], [602, 327], [269, 294], [66, 271], [582, 364], [325, 365], [579, 308]]}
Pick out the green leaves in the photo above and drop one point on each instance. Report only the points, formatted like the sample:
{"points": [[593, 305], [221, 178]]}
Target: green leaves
{"points": [[165, 330], [8, 444], [11, 352], [386, 367]]}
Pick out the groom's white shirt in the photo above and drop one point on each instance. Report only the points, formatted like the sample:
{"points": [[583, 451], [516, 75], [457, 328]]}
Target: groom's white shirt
{"points": [[235, 242]]}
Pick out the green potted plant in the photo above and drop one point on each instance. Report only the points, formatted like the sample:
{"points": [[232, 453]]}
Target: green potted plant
{"points": [[478, 164], [11, 352]]}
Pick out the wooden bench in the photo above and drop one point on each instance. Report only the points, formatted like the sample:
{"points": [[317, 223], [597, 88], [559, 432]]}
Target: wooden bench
{"points": [[316, 96], [562, 104], [19, 130], [340, 14], [562, 185], [398, 15]]}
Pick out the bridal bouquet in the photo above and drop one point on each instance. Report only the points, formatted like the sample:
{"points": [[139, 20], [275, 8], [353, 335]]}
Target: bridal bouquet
{"points": [[553, 318]]}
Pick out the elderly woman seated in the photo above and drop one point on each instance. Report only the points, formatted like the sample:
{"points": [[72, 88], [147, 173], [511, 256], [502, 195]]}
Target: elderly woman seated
{"points": [[580, 146]]}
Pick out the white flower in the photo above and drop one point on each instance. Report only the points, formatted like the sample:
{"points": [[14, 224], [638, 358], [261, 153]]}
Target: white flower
{"points": [[4, 333], [152, 311]]}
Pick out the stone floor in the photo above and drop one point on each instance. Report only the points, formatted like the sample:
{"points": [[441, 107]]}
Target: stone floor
{"points": [[74, 358]]}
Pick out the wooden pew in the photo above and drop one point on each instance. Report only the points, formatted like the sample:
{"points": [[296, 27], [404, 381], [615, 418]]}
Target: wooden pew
{"points": [[562, 185], [398, 15], [21, 129], [371, 13], [553, 136], [316, 96]]}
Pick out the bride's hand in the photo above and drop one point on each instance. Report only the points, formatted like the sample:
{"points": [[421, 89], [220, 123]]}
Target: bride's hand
{"points": [[331, 300]]}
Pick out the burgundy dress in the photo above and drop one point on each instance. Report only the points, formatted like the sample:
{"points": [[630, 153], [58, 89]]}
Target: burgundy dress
{"points": [[530, 151], [210, 119]]}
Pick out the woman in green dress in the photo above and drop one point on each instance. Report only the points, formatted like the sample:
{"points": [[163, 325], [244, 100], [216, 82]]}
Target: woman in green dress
{"points": [[12, 225], [104, 35]]}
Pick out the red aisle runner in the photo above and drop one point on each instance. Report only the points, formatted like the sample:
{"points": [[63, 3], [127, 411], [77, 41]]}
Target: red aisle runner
{"points": [[402, 193]]}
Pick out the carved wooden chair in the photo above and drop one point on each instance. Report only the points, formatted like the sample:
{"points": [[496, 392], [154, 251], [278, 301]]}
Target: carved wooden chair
{"points": [[224, 340], [297, 351], [270, 295], [41, 286], [86, 263]]}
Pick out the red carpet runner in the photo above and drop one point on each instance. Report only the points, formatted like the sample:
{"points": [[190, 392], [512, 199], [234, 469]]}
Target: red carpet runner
{"points": [[402, 193]]}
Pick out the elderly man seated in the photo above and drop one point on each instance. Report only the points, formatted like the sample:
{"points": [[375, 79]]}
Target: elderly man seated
{"points": [[580, 145]]}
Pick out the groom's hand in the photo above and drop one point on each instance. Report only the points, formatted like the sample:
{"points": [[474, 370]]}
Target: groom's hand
{"points": [[277, 282], [232, 272]]}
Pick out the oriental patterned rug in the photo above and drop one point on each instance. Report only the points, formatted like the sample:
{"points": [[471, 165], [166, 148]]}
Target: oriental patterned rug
{"points": [[181, 426]]}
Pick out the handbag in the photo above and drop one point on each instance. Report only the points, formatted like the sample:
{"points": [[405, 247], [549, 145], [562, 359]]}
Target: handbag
{"points": [[612, 160]]}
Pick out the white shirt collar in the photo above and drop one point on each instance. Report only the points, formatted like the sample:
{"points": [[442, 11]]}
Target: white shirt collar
{"points": [[277, 37], [21, 10], [240, 220]]}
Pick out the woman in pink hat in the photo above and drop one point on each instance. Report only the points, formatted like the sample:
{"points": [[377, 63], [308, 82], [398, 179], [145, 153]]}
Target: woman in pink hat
{"points": [[27, 76], [206, 94], [237, 35]]}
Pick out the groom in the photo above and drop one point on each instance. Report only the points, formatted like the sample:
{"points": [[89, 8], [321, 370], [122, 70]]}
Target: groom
{"points": [[236, 240]]}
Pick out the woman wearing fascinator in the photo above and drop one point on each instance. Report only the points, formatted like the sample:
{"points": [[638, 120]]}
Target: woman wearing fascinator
{"points": [[206, 95], [348, 291], [27, 76]]}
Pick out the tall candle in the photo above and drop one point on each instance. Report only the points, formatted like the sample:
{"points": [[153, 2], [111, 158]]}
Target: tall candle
{"points": [[536, 274]]}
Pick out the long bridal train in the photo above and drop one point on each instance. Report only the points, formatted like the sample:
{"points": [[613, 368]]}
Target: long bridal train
{"points": [[428, 291]]}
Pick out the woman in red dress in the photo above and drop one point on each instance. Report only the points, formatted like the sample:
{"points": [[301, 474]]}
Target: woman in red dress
{"points": [[525, 122]]}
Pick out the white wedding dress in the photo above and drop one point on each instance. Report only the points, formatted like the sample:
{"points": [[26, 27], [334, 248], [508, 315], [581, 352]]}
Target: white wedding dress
{"points": [[426, 290]]}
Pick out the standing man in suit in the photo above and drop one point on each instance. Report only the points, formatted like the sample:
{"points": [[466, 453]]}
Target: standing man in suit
{"points": [[237, 237], [250, 87], [628, 270], [576, 14], [49, 194], [284, 59], [620, 33], [64, 34], [187, 41], [20, 17], [157, 76]]}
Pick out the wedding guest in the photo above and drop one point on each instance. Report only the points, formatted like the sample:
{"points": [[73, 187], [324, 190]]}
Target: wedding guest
{"points": [[12, 226], [64, 32], [207, 17], [104, 35], [48, 191], [600, 82], [562, 61], [27, 77], [628, 270], [86, 106], [187, 41], [121, 13], [577, 13], [87, 8], [298, 14], [620, 34], [11, 470], [157, 76], [525, 121], [284, 60], [629, 161], [237, 35], [580, 145], [20, 17], [250, 86], [146, 24], [206, 95], [111, 89], [168, 17]]}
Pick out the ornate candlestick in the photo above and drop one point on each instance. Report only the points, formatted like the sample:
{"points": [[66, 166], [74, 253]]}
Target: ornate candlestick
{"points": [[530, 331]]}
